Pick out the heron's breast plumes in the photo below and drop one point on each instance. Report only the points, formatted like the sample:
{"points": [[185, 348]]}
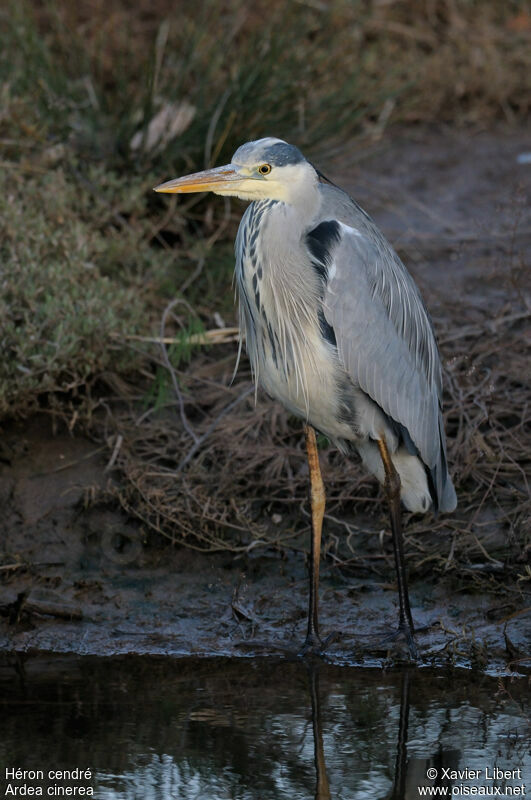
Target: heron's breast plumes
{"points": [[280, 308]]}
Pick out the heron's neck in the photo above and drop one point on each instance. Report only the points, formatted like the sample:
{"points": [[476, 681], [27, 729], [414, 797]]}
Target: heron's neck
{"points": [[283, 227], [287, 284]]}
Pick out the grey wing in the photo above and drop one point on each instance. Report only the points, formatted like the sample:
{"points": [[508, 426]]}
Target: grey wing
{"points": [[385, 340]]}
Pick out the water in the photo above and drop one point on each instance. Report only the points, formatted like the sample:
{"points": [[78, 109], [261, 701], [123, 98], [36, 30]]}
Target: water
{"points": [[163, 728]]}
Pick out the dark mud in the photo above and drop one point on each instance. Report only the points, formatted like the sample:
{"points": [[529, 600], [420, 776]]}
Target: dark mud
{"points": [[83, 579]]}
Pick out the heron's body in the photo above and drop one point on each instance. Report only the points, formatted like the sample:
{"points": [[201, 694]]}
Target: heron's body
{"points": [[323, 265], [336, 331]]}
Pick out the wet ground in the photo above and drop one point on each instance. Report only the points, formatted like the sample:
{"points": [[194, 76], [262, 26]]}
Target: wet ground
{"points": [[259, 730], [81, 579]]}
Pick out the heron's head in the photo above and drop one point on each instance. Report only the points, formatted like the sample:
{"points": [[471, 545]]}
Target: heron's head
{"points": [[268, 169]]}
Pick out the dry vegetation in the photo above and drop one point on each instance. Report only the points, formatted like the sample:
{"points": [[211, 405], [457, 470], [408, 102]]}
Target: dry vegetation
{"points": [[90, 258]]}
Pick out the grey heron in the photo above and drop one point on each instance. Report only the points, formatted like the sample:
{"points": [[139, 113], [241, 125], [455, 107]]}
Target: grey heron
{"points": [[337, 331]]}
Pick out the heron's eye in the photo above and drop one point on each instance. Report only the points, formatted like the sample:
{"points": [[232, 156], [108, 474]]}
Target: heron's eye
{"points": [[265, 169]]}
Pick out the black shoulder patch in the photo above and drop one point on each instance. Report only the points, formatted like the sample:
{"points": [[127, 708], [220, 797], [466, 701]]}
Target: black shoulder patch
{"points": [[320, 242]]}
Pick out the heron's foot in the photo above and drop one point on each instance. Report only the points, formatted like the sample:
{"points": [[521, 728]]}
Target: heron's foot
{"points": [[406, 634], [315, 646]]}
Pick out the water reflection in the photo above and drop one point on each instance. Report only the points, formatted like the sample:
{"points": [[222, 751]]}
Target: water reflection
{"points": [[399, 780], [153, 728], [322, 789]]}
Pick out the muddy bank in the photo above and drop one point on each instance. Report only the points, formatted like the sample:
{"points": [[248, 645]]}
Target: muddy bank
{"points": [[85, 578], [88, 581]]}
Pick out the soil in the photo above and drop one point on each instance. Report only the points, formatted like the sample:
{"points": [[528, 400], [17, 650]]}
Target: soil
{"points": [[78, 577]]}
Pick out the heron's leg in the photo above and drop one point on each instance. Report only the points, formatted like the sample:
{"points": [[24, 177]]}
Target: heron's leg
{"points": [[317, 501], [392, 489]]}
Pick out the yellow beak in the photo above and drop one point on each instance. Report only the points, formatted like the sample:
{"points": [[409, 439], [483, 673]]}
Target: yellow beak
{"points": [[207, 181]]}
